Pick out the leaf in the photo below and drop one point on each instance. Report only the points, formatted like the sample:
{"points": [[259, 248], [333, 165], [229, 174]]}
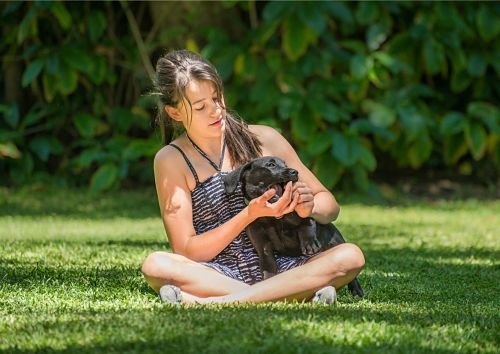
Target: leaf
{"points": [[460, 81], [379, 114], [391, 63], [96, 25], [285, 107], [11, 115], [68, 80], [339, 11], [86, 124], [8, 149], [103, 178], [53, 64], [360, 178], [346, 149], [275, 10], [77, 58], [367, 159], [376, 35], [295, 38], [452, 123], [26, 25], [360, 65], [412, 121], [36, 113], [311, 15], [88, 156], [454, 148], [62, 14], [367, 12], [487, 112], [379, 76], [320, 144], [49, 86], [56, 148], [328, 170], [139, 148], [400, 43], [41, 146], [99, 70], [476, 66], [32, 71], [302, 129], [434, 57], [325, 108], [475, 135], [488, 23], [420, 150]]}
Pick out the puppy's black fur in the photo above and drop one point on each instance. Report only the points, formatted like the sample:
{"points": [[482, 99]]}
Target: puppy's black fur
{"points": [[291, 235]]}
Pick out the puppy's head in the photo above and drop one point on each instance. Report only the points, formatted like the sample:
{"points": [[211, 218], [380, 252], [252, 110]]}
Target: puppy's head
{"points": [[259, 175]]}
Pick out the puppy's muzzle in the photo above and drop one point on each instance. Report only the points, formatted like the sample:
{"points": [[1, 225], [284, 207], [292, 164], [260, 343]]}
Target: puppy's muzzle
{"points": [[288, 175]]}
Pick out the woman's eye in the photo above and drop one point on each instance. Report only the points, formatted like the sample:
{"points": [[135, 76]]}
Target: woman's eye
{"points": [[200, 108]]}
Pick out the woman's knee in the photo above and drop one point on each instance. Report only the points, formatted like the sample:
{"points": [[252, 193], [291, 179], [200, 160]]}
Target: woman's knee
{"points": [[349, 256], [355, 255], [158, 264]]}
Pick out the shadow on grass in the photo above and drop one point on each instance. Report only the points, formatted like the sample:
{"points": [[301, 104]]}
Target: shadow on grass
{"points": [[79, 203], [395, 276], [251, 329], [34, 201], [410, 293]]}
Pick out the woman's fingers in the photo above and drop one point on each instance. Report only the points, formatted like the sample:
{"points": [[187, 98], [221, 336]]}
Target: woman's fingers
{"points": [[264, 198], [304, 191], [286, 203], [293, 204]]}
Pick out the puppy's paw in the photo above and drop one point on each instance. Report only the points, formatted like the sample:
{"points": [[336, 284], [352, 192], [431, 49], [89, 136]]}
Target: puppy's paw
{"points": [[310, 246]]}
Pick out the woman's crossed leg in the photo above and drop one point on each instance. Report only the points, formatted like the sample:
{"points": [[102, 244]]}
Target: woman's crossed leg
{"points": [[203, 285]]}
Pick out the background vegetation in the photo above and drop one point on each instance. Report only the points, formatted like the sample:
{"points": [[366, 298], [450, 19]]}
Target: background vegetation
{"points": [[361, 89]]}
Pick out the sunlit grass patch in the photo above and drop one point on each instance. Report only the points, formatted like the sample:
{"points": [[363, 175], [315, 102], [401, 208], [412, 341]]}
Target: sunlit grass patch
{"points": [[70, 281]]}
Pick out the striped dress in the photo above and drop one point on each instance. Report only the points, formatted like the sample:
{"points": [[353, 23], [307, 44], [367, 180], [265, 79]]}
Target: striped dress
{"points": [[212, 207]]}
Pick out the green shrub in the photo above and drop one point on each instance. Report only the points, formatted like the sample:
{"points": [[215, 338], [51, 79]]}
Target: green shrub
{"points": [[355, 86]]}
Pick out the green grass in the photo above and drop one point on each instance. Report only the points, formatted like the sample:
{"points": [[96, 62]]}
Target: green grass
{"points": [[70, 282]]}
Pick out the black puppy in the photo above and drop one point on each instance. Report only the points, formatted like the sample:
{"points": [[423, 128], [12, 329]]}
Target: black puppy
{"points": [[289, 236]]}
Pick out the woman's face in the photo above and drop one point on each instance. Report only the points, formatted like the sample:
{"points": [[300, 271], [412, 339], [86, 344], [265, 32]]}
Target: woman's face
{"points": [[205, 116]]}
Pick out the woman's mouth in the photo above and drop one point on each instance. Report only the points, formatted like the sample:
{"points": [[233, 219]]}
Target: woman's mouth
{"points": [[216, 123]]}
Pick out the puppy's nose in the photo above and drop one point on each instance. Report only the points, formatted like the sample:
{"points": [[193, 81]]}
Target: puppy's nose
{"points": [[293, 173]]}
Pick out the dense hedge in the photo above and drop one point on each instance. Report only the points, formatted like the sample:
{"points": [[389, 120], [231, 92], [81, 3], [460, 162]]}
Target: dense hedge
{"points": [[357, 87]]}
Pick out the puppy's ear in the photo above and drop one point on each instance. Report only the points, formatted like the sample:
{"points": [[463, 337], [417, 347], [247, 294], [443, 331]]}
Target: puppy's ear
{"points": [[232, 179]]}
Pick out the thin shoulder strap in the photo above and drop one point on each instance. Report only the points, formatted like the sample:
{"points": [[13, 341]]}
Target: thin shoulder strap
{"points": [[190, 165], [205, 156]]}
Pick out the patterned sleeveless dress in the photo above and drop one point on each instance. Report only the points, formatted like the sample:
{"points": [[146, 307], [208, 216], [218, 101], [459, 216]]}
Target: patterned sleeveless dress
{"points": [[212, 207]]}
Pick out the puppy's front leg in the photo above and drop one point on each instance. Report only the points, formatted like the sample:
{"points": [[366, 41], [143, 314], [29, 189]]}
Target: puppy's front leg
{"points": [[268, 262], [258, 234], [306, 232]]}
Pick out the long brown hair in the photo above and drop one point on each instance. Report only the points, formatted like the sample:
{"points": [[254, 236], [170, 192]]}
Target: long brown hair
{"points": [[174, 71]]}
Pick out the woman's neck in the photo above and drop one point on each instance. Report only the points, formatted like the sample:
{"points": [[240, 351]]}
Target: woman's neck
{"points": [[210, 146]]}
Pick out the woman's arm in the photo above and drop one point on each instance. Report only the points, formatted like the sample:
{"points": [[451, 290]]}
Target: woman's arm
{"points": [[314, 199], [174, 197]]}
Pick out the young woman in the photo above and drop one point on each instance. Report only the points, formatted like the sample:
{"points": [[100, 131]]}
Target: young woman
{"points": [[213, 261]]}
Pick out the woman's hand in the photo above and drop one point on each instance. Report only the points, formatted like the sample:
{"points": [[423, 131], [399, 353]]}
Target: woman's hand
{"points": [[261, 206], [305, 199]]}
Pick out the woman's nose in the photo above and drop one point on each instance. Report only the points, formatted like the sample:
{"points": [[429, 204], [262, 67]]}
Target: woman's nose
{"points": [[216, 108]]}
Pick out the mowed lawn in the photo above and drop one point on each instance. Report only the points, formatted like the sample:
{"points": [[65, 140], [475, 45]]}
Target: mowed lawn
{"points": [[70, 282]]}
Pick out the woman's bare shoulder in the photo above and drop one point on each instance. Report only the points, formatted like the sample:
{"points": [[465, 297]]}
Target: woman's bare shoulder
{"points": [[273, 143], [267, 135], [167, 157]]}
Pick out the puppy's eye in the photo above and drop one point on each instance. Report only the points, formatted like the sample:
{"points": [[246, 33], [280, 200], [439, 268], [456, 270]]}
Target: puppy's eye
{"points": [[271, 164]]}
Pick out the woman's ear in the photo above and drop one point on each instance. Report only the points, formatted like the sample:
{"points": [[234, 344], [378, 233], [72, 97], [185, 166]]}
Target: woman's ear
{"points": [[173, 113]]}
